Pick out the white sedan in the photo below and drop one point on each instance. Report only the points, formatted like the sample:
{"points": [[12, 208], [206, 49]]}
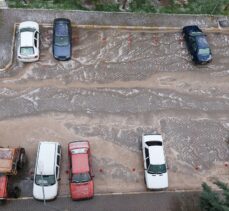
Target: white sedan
{"points": [[28, 47], [156, 175]]}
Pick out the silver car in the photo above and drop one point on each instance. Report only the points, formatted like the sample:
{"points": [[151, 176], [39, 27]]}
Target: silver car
{"points": [[28, 41], [155, 168]]}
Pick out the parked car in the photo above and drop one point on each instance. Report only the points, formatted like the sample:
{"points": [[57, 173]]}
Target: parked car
{"points": [[197, 44], [156, 175], [28, 42], [62, 39], [47, 171], [80, 170], [11, 160]]}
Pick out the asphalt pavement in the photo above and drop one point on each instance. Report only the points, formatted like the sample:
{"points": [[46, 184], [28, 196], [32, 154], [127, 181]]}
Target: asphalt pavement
{"points": [[133, 202]]}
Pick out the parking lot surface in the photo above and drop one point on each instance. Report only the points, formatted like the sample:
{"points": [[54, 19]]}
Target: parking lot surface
{"points": [[118, 85]]}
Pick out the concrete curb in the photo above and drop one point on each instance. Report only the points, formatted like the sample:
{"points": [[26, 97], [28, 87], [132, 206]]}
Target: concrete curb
{"points": [[129, 13], [117, 194], [11, 51]]}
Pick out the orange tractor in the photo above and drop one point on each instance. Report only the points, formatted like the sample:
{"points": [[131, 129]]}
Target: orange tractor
{"points": [[11, 160]]}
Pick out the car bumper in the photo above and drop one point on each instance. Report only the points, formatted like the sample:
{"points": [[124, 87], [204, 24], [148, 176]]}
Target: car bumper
{"points": [[28, 59]]}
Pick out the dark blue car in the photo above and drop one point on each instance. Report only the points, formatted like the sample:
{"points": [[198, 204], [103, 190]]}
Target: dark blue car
{"points": [[62, 39], [197, 44]]}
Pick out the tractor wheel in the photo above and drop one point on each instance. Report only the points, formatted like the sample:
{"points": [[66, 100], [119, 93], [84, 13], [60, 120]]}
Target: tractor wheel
{"points": [[14, 192], [2, 201], [17, 192], [22, 159]]}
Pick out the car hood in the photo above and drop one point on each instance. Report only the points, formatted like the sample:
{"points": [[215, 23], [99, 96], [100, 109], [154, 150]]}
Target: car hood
{"points": [[50, 192], [82, 190], [156, 181], [62, 52]]}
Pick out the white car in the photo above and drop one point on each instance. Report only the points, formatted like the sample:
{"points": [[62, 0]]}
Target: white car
{"points": [[28, 46], [47, 171], [155, 168]]}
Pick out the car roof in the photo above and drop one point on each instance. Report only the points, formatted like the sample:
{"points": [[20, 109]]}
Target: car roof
{"points": [[202, 41], [27, 39], [80, 163], [156, 155], [46, 160]]}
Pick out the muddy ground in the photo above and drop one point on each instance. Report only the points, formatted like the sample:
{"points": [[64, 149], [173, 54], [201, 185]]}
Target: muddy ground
{"points": [[118, 85]]}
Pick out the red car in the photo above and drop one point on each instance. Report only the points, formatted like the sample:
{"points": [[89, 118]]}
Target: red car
{"points": [[80, 171]]}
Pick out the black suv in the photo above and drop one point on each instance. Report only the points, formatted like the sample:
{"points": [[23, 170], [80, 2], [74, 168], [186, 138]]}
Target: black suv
{"points": [[197, 44], [62, 39]]}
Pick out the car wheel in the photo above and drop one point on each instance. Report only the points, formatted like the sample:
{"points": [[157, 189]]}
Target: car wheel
{"points": [[15, 192], [22, 159], [2, 201]]}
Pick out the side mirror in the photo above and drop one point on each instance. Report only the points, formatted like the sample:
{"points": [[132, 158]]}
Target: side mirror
{"points": [[59, 179], [167, 166]]}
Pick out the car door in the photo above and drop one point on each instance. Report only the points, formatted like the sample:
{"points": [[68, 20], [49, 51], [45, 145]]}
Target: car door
{"points": [[58, 167], [146, 156], [90, 163], [35, 40], [58, 162], [36, 36]]}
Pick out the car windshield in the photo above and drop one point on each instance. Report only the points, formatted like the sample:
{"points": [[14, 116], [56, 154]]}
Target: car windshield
{"points": [[26, 51], [157, 169], [45, 180], [81, 177], [61, 40], [204, 51]]}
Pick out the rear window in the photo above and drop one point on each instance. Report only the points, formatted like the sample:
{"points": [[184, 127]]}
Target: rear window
{"points": [[26, 51], [61, 30], [27, 30], [154, 143], [79, 151]]}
